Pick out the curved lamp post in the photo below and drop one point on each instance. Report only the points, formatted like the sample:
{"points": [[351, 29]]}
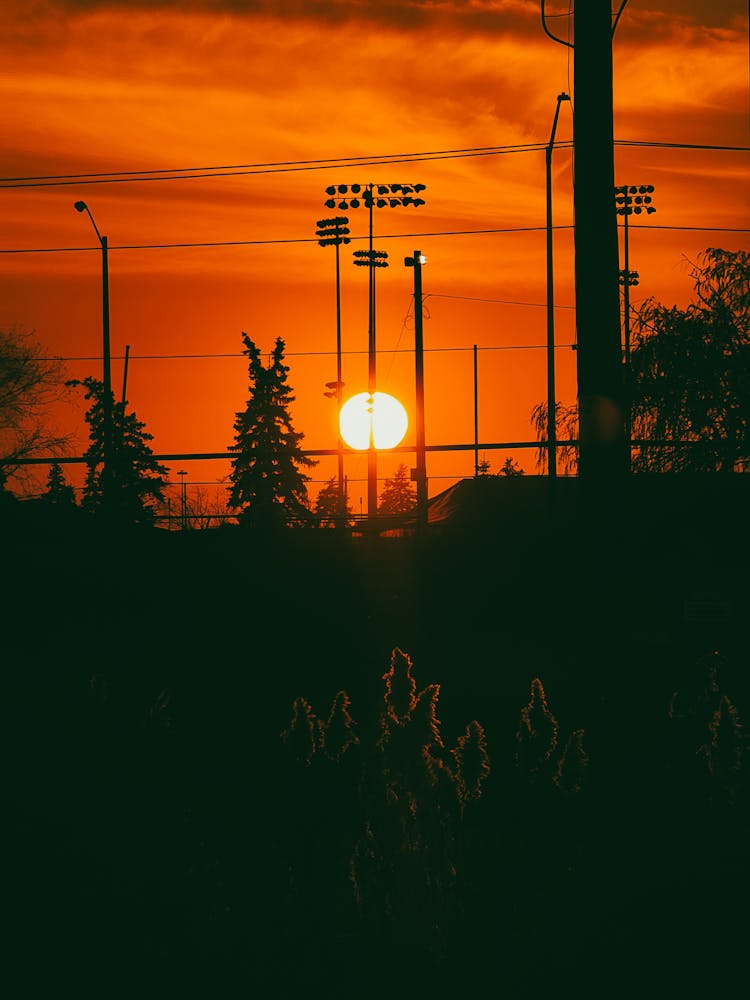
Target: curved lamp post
{"points": [[551, 400], [81, 206]]}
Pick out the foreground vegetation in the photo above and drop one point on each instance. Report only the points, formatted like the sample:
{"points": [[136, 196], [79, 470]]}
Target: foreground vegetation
{"points": [[174, 829]]}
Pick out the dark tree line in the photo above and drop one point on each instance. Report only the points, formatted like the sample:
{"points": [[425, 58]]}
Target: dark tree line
{"points": [[687, 380]]}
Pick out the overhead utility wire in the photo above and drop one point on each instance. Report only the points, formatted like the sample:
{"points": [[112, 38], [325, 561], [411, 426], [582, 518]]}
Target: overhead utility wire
{"points": [[198, 173], [385, 236], [183, 174], [562, 41], [236, 355]]}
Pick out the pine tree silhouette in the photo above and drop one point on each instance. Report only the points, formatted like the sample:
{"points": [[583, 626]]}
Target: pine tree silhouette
{"points": [[331, 509], [268, 487], [399, 494], [59, 491], [136, 479]]}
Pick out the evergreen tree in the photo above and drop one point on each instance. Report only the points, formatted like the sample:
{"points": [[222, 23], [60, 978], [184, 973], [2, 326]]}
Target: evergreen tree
{"points": [[399, 494], [136, 480], [331, 509], [268, 488], [510, 468], [59, 491]]}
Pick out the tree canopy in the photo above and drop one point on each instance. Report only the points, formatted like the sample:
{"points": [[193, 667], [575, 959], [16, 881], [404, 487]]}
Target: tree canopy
{"points": [[59, 491], [31, 382], [688, 378], [331, 508], [135, 483], [690, 372], [398, 495], [268, 487]]}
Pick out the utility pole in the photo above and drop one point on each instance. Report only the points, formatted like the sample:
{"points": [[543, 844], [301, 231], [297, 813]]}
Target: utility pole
{"points": [[601, 406], [551, 400], [416, 261], [125, 375]]}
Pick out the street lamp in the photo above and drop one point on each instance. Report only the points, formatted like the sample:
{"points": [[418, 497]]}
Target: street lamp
{"points": [[371, 196], [551, 401], [81, 206], [334, 232], [416, 261]]}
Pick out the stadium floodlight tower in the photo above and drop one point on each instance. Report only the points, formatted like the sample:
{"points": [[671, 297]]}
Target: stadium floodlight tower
{"points": [[334, 232], [345, 197]]}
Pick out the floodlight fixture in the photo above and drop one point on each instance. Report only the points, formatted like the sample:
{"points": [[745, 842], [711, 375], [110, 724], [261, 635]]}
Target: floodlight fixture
{"points": [[371, 196], [630, 199], [634, 199], [334, 232], [371, 258]]}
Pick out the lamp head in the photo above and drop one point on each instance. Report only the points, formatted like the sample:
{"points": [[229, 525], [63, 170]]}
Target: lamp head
{"points": [[80, 206]]}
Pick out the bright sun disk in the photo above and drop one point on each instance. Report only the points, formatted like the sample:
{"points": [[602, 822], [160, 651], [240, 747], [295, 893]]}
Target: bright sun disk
{"points": [[380, 413]]}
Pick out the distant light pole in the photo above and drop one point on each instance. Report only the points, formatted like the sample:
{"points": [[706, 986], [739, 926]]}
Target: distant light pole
{"points": [[334, 232], [551, 399], [371, 259], [81, 206], [183, 500], [416, 261], [370, 196], [630, 200]]}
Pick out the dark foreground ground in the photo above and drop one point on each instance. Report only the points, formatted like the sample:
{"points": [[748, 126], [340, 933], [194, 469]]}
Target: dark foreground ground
{"points": [[163, 842]]}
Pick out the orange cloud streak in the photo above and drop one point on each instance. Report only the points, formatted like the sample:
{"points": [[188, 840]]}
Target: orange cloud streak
{"points": [[94, 87]]}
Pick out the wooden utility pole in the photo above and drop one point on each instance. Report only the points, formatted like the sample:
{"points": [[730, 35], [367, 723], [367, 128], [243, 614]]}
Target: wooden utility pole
{"points": [[601, 410]]}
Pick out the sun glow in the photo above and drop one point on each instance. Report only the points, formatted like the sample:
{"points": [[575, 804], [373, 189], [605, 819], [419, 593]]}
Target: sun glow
{"points": [[378, 414]]}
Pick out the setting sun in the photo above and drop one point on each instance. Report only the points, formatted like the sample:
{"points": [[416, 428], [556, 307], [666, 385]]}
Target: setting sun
{"points": [[380, 413]]}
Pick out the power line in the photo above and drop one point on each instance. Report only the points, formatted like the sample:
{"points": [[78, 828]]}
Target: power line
{"points": [[387, 236], [321, 354], [505, 302], [329, 163], [196, 173]]}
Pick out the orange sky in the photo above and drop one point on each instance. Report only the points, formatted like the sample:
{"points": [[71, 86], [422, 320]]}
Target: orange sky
{"points": [[90, 87]]}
